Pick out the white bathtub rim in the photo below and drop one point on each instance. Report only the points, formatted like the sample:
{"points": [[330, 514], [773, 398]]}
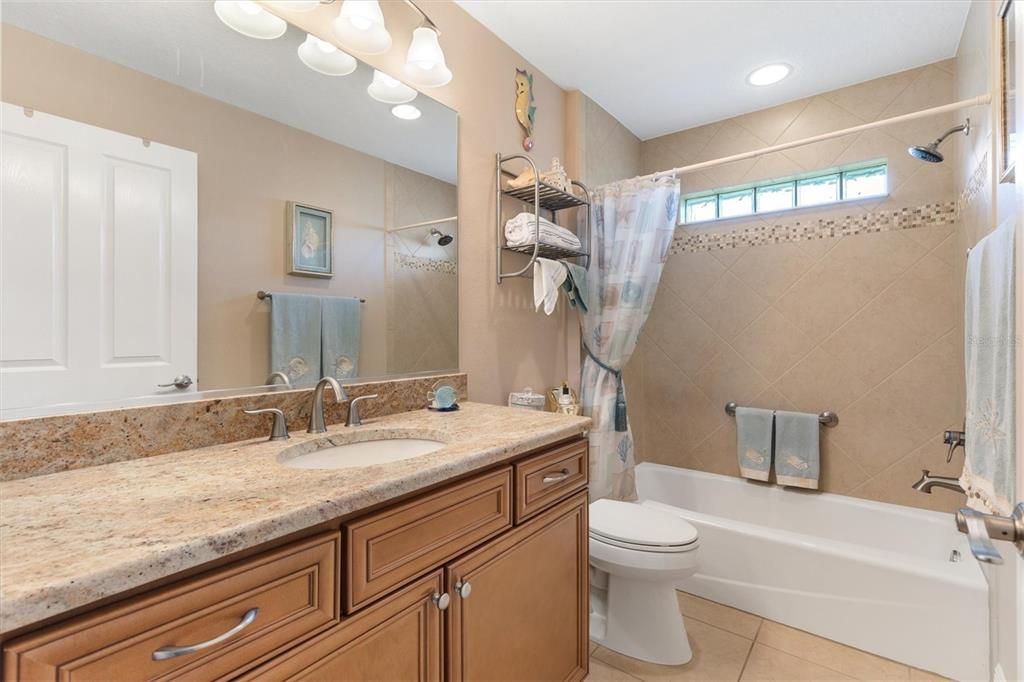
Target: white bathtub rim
{"points": [[966, 576]]}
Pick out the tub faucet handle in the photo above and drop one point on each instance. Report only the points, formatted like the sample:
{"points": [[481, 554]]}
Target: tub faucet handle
{"points": [[981, 527]]}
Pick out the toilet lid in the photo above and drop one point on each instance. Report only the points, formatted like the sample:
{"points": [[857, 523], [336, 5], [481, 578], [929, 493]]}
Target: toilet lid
{"points": [[633, 524]]}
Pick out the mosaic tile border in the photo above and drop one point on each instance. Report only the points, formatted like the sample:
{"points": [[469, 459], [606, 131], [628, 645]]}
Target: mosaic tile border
{"points": [[911, 217], [975, 184], [445, 267]]}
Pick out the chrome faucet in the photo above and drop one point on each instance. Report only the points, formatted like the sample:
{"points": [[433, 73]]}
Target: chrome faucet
{"points": [[928, 482], [316, 415], [353, 410]]}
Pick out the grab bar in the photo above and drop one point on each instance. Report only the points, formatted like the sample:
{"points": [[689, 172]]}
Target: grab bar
{"points": [[826, 418]]}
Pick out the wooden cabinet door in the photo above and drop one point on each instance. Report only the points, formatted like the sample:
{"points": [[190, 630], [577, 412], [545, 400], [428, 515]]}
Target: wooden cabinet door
{"points": [[524, 615], [397, 639]]}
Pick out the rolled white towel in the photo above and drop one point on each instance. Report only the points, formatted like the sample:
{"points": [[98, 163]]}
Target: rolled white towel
{"points": [[521, 230]]}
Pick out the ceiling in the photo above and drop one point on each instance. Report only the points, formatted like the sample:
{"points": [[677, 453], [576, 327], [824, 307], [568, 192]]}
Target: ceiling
{"points": [[183, 42], [663, 66]]}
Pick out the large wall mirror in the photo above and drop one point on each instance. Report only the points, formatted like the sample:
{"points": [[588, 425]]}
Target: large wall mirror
{"points": [[160, 170]]}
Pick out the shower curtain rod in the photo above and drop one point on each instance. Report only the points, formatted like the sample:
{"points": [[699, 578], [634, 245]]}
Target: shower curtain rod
{"points": [[424, 223], [962, 104]]}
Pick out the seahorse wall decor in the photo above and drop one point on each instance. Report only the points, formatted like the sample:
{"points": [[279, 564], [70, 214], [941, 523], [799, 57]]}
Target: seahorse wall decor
{"points": [[525, 110]]}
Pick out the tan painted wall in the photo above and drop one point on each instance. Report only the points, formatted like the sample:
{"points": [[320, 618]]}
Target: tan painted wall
{"points": [[864, 325], [249, 167]]}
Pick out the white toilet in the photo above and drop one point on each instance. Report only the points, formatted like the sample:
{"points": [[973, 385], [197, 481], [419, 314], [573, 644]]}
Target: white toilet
{"points": [[637, 555]]}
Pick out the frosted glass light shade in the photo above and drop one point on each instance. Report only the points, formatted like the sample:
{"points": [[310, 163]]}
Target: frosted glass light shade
{"points": [[390, 90], [250, 19], [360, 27], [424, 63], [406, 112], [325, 58], [296, 5]]}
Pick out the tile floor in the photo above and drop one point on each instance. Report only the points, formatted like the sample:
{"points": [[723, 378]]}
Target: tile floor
{"points": [[732, 645]]}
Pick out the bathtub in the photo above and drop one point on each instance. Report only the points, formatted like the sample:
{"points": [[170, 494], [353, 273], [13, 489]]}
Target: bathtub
{"points": [[871, 575]]}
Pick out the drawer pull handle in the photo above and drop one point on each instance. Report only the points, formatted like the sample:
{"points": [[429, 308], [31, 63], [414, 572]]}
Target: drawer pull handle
{"points": [[441, 600], [555, 477], [165, 652]]}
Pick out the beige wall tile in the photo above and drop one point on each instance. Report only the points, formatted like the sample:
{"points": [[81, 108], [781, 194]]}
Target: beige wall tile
{"points": [[868, 100], [771, 270], [727, 618], [729, 378], [729, 306], [772, 344], [832, 655], [717, 655], [769, 124], [681, 334], [766, 663]]}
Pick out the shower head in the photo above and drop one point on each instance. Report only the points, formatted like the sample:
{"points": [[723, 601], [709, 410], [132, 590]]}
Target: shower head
{"points": [[931, 153], [442, 238]]}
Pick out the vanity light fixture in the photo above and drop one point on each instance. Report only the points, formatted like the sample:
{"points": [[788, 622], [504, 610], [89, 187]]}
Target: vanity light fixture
{"points": [[249, 19], [424, 63], [406, 112], [295, 5], [360, 27], [769, 74], [325, 58], [390, 90]]}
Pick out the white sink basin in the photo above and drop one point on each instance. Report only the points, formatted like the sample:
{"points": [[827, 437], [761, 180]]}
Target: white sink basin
{"points": [[361, 451]]}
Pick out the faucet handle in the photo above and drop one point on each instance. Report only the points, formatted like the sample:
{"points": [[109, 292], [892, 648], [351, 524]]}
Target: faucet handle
{"points": [[354, 418], [279, 429]]}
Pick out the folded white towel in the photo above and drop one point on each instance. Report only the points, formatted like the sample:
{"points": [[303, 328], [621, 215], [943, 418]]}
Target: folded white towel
{"points": [[988, 475], [548, 276], [521, 230]]}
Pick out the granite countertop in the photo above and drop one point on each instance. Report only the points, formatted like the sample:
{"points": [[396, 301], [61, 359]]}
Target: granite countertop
{"points": [[73, 538]]}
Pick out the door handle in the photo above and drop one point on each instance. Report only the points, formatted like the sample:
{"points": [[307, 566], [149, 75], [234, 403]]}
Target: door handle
{"points": [[555, 477], [165, 652], [981, 529], [182, 381]]}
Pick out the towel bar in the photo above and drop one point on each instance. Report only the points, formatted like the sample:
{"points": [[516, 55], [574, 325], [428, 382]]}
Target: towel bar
{"points": [[264, 295], [826, 418]]}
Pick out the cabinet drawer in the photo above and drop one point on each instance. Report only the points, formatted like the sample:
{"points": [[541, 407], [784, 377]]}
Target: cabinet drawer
{"points": [[544, 479], [292, 590], [387, 548]]}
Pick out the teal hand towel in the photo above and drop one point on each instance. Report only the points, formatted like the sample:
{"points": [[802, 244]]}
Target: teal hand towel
{"points": [[797, 456], [575, 285], [754, 442], [340, 342], [295, 337]]}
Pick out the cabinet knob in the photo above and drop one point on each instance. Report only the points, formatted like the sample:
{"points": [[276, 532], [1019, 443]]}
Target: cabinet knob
{"points": [[441, 600], [463, 588]]}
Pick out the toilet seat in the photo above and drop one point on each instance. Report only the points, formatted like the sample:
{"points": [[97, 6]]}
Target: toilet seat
{"points": [[639, 528]]}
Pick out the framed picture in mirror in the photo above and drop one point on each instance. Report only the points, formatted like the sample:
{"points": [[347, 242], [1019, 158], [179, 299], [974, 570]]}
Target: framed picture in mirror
{"points": [[310, 241], [1008, 89]]}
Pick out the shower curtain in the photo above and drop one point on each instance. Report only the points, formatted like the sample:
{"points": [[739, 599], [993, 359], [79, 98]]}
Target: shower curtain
{"points": [[633, 225]]}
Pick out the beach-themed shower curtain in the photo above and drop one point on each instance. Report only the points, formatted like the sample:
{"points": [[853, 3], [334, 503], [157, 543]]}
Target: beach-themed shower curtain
{"points": [[633, 225]]}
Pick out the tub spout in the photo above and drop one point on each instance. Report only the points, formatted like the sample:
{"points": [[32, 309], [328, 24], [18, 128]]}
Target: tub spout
{"points": [[928, 482]]}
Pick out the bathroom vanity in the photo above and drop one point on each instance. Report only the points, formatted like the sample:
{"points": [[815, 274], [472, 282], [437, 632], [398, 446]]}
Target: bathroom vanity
{"points": [[466, 563]]}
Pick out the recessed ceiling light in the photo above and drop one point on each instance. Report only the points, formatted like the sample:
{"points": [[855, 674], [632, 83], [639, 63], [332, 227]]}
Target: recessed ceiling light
{"points": [[406, 112], [769, 75]]}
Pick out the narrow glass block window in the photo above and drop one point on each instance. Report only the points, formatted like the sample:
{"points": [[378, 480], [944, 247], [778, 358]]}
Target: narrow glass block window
{"points": [[732, 204], [865, 182], [701, 208], [776, 197], [823, 189]]}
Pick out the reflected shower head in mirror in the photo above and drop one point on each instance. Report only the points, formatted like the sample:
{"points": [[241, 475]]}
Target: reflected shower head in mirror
{"points": [[442, 238], [931, 153]]}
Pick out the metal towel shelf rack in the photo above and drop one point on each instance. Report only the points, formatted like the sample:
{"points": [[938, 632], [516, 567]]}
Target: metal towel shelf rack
{"points": [[826, 418], [266, 295]]}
